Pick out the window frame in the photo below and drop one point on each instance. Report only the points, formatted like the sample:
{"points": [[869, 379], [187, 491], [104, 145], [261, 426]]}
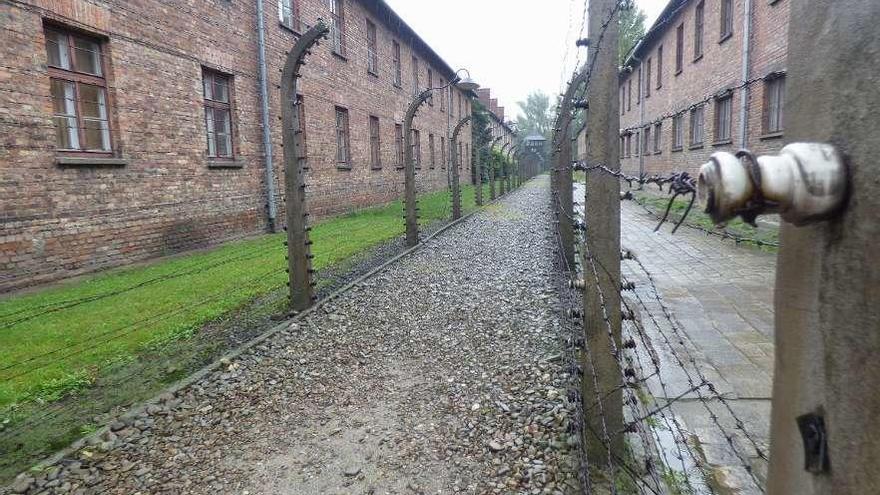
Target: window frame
{"points": [[414, 64], [443, 152], [78, 78], [723, 101], [658, 137], [659, 67], [430, 85], [343, 138], [375, 129], [214, 105], [773, 81], [442, 97], [726, 18], [699, 29], [678, 131], [646, 140], [417, 148], [372, 48], [397, 64], [697, 123], [648, 65], [337, 27], [292, 8], [432, 151], [679, 49], [398, 145]]}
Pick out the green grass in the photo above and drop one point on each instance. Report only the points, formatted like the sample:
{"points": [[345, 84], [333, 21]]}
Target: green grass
{"points": [[56, 342], [737, 227]]}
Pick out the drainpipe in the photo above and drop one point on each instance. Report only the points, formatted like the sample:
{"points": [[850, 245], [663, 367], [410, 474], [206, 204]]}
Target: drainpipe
{"points": [[264, 110], [746, 60]]}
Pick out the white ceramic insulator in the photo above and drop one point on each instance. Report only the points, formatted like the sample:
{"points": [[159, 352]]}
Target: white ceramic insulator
{"points": [[804, 183]]}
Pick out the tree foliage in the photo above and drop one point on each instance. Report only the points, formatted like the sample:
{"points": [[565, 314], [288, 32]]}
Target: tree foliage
{"points": [[632, 27], [537, 115]]}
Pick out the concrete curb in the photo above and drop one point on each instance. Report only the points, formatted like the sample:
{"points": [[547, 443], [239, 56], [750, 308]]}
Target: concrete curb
{"points": [[198, 375]]}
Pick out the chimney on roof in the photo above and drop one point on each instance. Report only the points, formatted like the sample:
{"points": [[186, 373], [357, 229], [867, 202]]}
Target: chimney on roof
{"points": [[493, 106], [483, 94], [501, 113]]}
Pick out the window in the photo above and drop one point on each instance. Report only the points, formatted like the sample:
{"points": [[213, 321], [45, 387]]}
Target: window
{"points": [[417, 148], [218, 113], [648, 79], [774, 100], [343, 153], [698, 30], [726, 19], [288, 13], [678, 132], [622, 99], [375, 144], [697, 125], [637, 146], [660, 67], [459, 155], [679, 49], [415, 76], [460, 115], [646, 140], [395, 56], [621, 146], [639, 87], [433, 155], [442, 152], [337, 26], [398, 144], [372, 49], [628, 145], [723, 117], [467, 155], [658, 133], [629, 94], [442, 97], [431, 85], [79, 92]]}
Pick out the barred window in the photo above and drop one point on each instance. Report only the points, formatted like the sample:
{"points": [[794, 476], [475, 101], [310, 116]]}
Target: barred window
{"points": [[79, 92], [218, 113]]}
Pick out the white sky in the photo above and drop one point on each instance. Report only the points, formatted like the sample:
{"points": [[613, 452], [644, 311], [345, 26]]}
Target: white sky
{"points": [[510, 46]]}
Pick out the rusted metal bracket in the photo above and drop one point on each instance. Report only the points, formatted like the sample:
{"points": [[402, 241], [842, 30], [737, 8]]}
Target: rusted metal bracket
{"points": [[299, 256]]}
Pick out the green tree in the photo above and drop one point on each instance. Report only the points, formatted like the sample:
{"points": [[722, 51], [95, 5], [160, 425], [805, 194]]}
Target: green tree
{"points": [[537, 115], [632, 28]]}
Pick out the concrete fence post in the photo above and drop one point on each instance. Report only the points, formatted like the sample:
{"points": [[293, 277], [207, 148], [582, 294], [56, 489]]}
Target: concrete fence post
{"points": [[299, 257], [602, 235], [826, 408], [409, 173]]}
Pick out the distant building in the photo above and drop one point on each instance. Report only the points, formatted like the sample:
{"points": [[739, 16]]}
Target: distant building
{"points": [[681, 90]]}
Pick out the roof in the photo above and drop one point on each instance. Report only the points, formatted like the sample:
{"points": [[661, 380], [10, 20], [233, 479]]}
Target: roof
{"points": [[657, 29], [386, 14]]}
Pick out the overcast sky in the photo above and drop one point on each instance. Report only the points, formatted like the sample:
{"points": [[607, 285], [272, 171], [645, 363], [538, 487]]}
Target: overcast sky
{"points": [[510, 46]]}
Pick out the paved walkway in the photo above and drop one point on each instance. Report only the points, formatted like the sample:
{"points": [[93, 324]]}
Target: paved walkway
{"points": [[721, 296], [439, 375]]}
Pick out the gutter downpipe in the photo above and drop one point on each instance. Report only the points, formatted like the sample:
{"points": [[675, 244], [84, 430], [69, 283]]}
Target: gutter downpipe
{"points": [[746, 73], [264, 110]]}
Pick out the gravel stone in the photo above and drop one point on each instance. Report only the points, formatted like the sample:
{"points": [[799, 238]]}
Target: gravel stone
{"points": [[439, 374]]}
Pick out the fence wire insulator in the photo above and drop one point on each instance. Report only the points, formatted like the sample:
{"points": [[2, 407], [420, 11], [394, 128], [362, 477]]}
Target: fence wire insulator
{"points": [[628, 286], [580, 226], [626, 254], [577, 284], [630, 344], [629, 372]]}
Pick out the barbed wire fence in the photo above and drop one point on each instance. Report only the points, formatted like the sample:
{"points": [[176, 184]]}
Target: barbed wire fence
{"points": [[661, 455]]}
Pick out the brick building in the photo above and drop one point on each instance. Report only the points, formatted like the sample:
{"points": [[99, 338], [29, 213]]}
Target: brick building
{"points": [[132, 130], [683, 92], [498, 125]]}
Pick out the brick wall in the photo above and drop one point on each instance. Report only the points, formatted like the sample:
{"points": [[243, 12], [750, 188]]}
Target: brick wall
{"points": [[57, 221], [718, 69]]}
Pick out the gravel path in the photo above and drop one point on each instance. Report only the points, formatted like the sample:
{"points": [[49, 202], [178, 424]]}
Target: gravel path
{"points": [[442, 374]]}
